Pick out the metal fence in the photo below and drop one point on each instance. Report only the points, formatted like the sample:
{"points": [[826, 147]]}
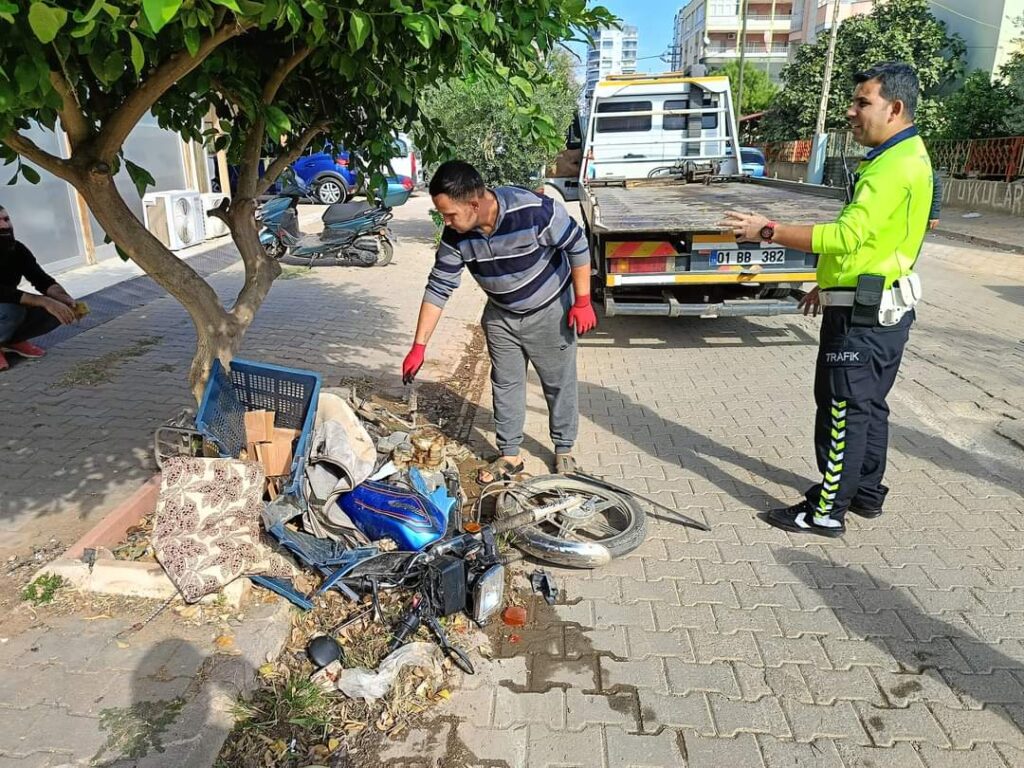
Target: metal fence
{"points": [[980, 158], [1001, 159]]}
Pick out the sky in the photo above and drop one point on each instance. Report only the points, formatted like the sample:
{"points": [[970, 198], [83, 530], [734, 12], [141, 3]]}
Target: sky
{"points": [[653, 20]]}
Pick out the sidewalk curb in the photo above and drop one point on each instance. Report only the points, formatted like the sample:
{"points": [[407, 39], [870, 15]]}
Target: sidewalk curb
{"points": [[974, 240]]}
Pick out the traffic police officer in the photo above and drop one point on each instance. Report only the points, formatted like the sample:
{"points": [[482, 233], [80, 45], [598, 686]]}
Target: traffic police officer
{"points": [[867, 291]]}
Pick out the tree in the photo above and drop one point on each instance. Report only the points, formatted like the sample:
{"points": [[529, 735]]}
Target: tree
{"points": [[480, 116], [898, 30], [1012, 73], [278, 74], [978, 109], [758, 89]]}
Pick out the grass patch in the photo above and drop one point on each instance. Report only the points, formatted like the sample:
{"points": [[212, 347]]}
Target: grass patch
{"points": [[290, 273], [42, 590], [92, 373]]}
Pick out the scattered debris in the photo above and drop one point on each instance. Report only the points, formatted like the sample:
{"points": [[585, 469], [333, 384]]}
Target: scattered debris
{"points": [[92, 373], [543, 584], [360, 683]]}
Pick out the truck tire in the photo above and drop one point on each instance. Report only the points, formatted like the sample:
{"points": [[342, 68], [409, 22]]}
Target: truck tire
{"points": [[773, 292]]}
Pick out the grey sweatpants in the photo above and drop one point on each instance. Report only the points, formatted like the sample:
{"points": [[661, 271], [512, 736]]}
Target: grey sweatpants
{"points": [[545, 339]]}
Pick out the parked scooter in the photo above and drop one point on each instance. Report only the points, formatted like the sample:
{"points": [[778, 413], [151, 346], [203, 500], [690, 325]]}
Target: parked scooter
{"points": [[354, 233]]}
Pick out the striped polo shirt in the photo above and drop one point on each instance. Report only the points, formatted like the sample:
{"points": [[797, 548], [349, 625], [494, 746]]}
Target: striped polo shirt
{"points": [[524, 264]]}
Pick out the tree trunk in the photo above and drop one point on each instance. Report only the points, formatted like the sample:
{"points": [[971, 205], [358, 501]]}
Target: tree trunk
{"points": [[218, 332]]}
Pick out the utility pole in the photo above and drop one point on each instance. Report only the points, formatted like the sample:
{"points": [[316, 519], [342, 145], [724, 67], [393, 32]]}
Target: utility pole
{"points": [[743, 49], [816, 167]]}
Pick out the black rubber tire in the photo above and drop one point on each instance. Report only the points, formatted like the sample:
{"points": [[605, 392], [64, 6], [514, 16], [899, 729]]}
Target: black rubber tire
{"points": [[631, 537], [275, 250], [773, 292], [342, 190], [387, 252]]}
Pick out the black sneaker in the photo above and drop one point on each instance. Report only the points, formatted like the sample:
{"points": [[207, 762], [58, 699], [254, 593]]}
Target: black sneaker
{"points": [[800, 518], [868, 512]]}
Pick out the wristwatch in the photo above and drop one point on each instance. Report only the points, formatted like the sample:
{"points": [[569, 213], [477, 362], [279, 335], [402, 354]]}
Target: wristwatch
{"points": [[768, 231]]}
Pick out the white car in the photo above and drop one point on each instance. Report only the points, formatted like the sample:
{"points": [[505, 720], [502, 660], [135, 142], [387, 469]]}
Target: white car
{"points": [[407, 161]]}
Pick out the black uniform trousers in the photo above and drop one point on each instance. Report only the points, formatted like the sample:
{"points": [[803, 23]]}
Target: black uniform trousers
{"points": [[856, 368]]}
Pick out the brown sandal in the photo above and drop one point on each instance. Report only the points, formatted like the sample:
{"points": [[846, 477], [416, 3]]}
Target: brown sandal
{"points": [[502, 468]]}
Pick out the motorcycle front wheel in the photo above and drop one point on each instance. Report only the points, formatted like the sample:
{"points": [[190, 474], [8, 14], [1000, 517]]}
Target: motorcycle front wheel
{"points": [[611, 520]]}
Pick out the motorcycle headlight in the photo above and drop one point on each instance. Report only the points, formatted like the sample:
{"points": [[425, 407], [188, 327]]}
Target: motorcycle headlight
{"points": [[488, 594]]}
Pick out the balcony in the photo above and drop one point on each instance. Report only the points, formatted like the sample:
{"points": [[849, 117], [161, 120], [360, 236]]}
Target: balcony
{"points": [[756, 22], [775, 50]]}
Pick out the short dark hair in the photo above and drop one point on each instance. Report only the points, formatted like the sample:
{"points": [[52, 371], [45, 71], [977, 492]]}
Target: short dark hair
{"points": [[457, 179], [898, 81]]}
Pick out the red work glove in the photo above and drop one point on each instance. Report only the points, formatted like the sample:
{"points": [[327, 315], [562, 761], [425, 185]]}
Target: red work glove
{"points": [[413, 362], [581, 315]]}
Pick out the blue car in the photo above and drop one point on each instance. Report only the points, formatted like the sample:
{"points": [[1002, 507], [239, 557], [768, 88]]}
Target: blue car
{"points": [[328, 175], [753, 162]]}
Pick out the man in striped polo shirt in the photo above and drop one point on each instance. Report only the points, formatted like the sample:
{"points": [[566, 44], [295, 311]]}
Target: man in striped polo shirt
{"points": [[532, 260]]}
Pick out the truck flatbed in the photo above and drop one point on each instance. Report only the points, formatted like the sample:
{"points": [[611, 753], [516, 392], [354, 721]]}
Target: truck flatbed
{"points": [[696, 207]]}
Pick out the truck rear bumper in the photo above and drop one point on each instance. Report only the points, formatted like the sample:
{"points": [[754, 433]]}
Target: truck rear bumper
{"points": [[670, 307]]}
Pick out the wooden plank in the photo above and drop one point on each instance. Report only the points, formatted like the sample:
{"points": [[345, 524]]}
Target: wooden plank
{"points": [[699, 207]]}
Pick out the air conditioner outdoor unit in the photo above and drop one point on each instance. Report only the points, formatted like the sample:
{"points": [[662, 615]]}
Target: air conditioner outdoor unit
{"points": [[214, 227], [176, 217]]}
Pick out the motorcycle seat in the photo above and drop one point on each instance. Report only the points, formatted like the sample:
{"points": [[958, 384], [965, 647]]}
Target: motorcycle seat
{"points": [[340, 212]]}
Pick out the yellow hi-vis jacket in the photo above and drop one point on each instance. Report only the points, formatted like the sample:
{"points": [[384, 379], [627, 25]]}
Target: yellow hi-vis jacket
{"points": [[881, 230]]}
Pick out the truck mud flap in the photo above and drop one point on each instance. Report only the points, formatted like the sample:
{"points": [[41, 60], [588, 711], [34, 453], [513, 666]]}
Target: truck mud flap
{"points": [[670, 307]]}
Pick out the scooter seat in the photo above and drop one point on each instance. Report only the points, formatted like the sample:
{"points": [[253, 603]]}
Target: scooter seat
{"points": [[340, 212]]}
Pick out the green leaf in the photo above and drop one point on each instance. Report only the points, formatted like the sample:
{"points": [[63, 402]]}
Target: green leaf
{"points": [[138, 56], [192, 41], [141, 178], [159, 12], [84, 30], [358, 29], [420, 27], [315, 9], [229, 4], [278, 122], [488, 22], [457, 10], [31, 174], [522, 85], [91, 14], [26, 76], [46, 21]]}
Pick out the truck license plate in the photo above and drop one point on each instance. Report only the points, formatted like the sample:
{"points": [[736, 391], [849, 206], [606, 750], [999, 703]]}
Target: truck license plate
{"points": [[753, 256]]}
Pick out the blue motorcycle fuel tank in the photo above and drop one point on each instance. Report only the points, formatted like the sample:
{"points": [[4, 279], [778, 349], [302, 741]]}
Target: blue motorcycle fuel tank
{"points": [[381, 510]]}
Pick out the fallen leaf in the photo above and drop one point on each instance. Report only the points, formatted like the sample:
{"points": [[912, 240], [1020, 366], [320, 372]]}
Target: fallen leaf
{"points": [[224, 642], [444, 693], [123, 644], [268, 670]]}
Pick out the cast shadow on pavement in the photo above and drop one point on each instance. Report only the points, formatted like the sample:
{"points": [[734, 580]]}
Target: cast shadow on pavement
{"points": [[87, 443], [934, 655], [693, 451], [695, 333], [180, 711], [933, 448]]}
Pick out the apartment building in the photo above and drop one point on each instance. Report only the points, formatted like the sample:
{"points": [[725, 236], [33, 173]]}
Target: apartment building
{"points": [[710, 32], [612, 53], [812, 18], [989, 29]]}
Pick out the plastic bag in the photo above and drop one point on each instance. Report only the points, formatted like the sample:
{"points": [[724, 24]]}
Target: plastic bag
{"points": [[360, 683]]}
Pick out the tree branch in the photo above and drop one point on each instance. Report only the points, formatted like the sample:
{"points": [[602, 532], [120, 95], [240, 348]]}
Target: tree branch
{"points": [[249, 184], [71, 115], [29, 149], [277, 167], [142, 99], [280, 74]]}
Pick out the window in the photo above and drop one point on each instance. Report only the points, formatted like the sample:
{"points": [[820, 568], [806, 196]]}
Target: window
{"points": [[626, 123], [752, 156], [675, 122], [401, 148]]}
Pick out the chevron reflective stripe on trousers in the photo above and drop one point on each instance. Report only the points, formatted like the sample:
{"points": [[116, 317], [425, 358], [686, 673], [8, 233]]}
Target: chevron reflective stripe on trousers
{"points": [[834, 468]]}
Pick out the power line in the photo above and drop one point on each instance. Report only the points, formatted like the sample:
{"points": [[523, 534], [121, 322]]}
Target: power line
{"points": [[963, 15]]}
